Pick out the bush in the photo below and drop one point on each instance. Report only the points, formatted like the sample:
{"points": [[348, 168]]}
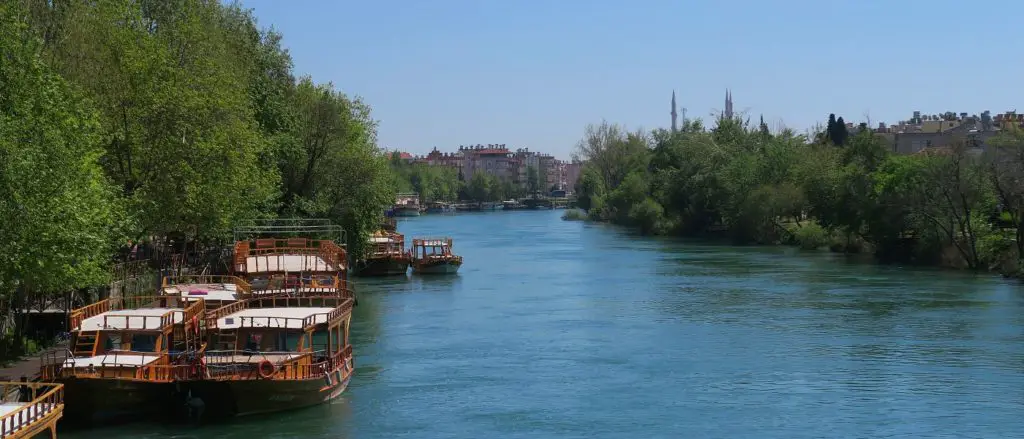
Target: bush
{"points": [[811, 236], [574, 215]]}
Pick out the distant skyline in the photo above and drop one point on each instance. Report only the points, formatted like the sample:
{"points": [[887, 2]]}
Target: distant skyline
{"points": [[532, 74]]}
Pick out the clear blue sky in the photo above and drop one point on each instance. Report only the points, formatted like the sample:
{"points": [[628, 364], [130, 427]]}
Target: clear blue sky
{"points": [[532, 73]]}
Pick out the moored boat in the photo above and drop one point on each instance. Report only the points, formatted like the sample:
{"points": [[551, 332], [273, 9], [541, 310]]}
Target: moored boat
{"points": [[124, 357], [407, 205], [386, 257], [434, 256], [273, 354]]}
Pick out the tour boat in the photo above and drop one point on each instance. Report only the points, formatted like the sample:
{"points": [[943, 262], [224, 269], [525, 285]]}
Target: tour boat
{"points": [[407, 205], [124, 356], [386, 257], [440, 207], [434, 256], [271, 354], [292, 257], [33, 413]]}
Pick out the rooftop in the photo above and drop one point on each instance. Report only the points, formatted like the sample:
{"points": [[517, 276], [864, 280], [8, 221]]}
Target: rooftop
{"points": [[285, 318], [150, 319]]}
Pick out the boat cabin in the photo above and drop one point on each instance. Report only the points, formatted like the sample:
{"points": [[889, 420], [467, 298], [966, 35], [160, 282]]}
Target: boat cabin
{"points": [[293, 265], [279, 338], [30, 410], [216, 291], [432, 248], [387, 244], [130, 338]]}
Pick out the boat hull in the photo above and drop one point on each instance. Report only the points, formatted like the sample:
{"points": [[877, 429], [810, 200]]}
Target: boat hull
{"points": [[383, 266], [444, 267], [93, 400], [231, 398]]}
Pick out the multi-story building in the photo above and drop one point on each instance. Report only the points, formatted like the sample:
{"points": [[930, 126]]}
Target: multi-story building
{"points": [[571, 174], [438, 158], [936, 131], [493, 159]]}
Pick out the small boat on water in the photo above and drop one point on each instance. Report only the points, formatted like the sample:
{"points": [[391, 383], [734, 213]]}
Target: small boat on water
{"points": [[124, 356], [434, 256], [387, 256], [407, 205], [272, 354]]}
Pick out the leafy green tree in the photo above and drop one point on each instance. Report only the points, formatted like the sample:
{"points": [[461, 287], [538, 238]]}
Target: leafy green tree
{"points": [[62, 219], [532, 179]]}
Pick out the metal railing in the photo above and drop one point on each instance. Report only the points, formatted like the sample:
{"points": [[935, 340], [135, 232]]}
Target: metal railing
{"points": [[44, 400]]}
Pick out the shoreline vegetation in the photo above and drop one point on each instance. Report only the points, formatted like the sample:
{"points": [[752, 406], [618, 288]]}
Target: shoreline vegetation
{"points": [[127, 123], [959, 207]]}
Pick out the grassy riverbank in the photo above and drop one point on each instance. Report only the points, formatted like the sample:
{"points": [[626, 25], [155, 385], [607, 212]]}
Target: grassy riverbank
{"points": [[952, 207]]}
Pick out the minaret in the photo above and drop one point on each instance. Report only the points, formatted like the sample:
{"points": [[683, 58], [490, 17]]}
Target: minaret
{"points": [[728, 104], [674, 111]]}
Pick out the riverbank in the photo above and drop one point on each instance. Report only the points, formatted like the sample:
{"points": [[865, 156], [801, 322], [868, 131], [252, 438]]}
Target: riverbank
{"points": [[953, 207]]}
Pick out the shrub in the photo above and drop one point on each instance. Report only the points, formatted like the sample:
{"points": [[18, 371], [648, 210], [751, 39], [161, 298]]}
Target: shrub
{"points": [[811, 236]]}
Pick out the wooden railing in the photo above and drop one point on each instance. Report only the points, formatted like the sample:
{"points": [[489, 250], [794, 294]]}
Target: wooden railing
{"points": [[124, 303], [45, 400], [341, 306], [80, 314], [333, 254], [241, 286], [303, 366]]}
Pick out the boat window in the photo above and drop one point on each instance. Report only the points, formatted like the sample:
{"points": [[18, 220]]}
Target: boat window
{"points": [[143, 343], [288, 341], [113, 342], [320, 340]]}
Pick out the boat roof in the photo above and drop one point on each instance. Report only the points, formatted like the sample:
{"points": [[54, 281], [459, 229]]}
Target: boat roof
{"points": [[206, 291], [289, 263], [285, 318], [145, 319], [131, 359]]}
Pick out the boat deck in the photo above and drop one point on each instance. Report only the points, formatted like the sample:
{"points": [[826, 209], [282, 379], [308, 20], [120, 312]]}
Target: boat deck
{"points": [[206, 291], [137, 319], [33, 412], [286, 318], [287, 263], [111, 360]]}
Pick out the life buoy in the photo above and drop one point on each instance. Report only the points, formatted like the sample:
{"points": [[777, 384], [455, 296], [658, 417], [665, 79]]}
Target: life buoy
{"points": [[266, 369]]}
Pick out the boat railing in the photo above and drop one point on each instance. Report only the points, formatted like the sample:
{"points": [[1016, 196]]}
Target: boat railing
{"points": [[340, 305], [45, 401], [127, 303], [332, 253], [243, 364], [241, 286]]}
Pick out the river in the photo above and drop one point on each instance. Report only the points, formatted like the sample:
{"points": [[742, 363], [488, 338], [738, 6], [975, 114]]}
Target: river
{"points": [[557, 329]]}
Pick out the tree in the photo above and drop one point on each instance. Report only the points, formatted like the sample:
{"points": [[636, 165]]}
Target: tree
{"points": [[532, 179], [62, 219]]}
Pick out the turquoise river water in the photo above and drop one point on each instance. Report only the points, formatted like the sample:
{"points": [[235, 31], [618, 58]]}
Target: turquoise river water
{"points": [[557, 329]]}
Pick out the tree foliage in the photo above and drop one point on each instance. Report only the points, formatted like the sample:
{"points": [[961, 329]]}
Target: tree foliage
{"points": [[134, 119], [757, 186]]}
